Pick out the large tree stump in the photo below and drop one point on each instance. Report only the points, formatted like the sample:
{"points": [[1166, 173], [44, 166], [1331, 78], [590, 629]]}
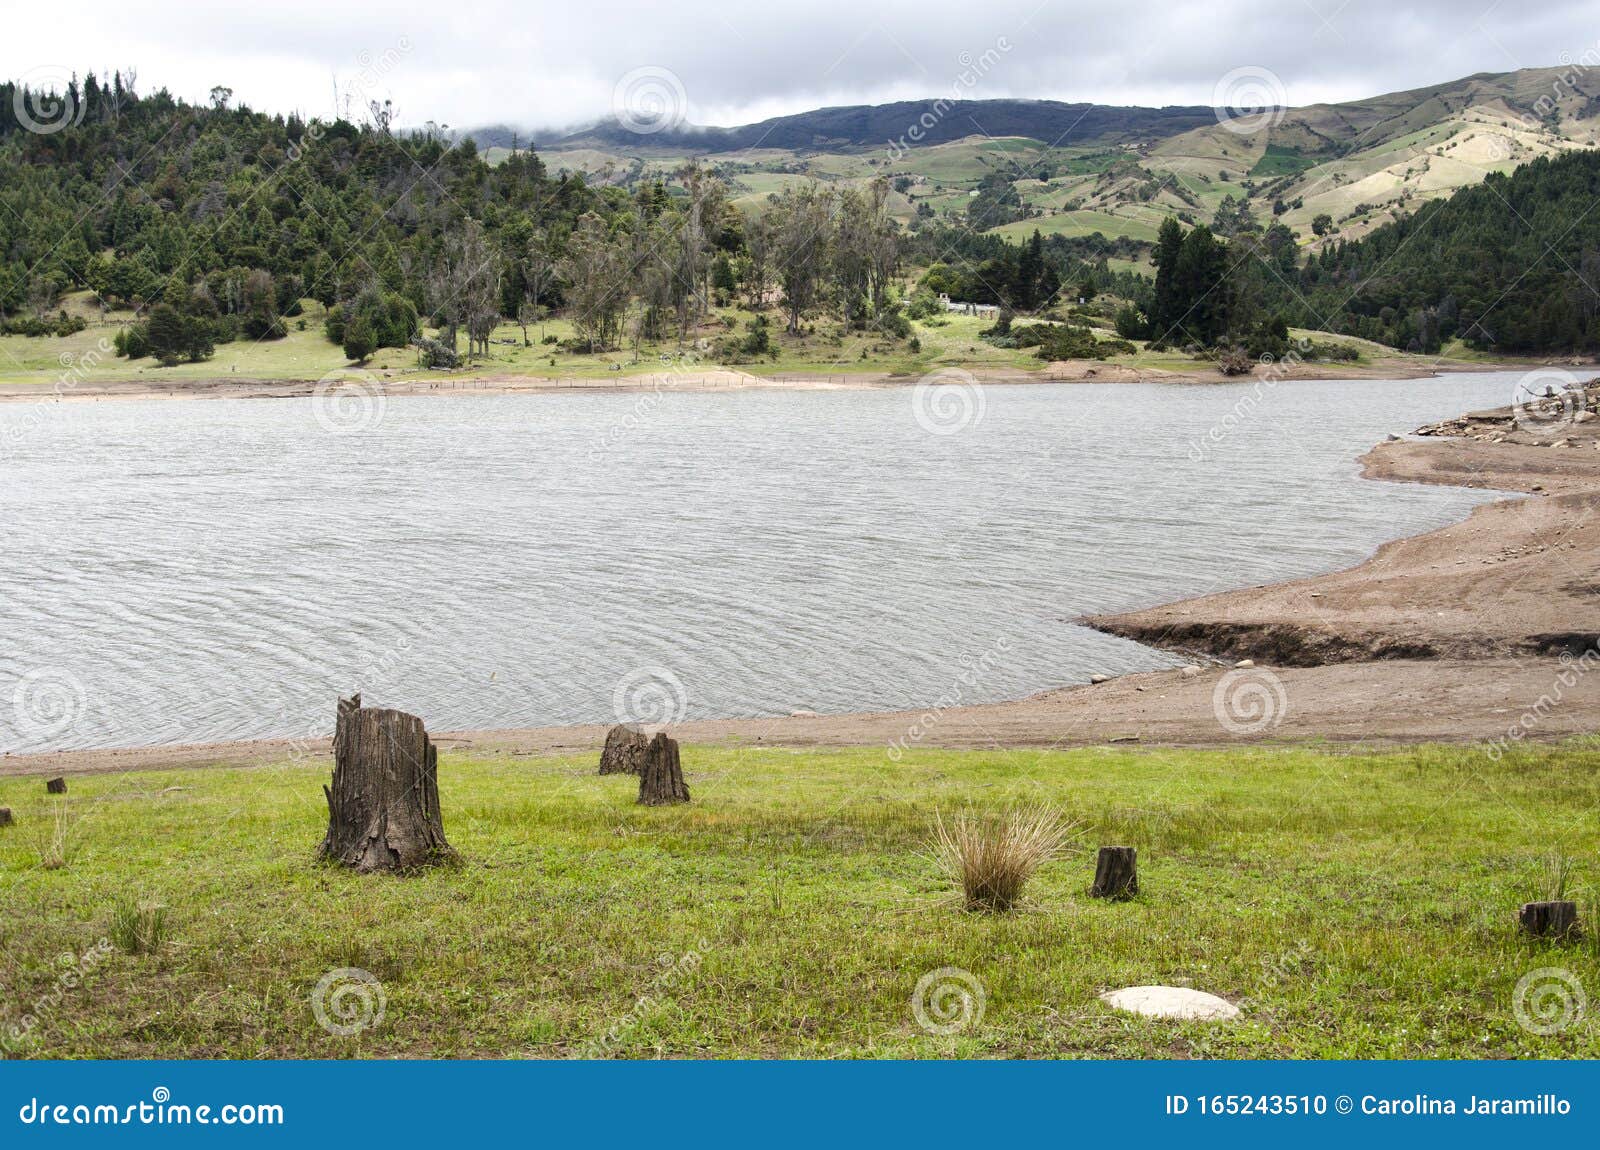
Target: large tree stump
{"points": [[55, 786], [383, 807], [1548, 919], [661, 777], [1116, 873], [624, 750], [5, 817]]}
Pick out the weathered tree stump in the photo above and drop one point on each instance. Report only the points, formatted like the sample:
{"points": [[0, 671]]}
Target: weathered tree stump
{"points": [[661, 777], [1116, 873], [56, 786], [624, 750], [383, 807], [5, 817], [1548, 919]]}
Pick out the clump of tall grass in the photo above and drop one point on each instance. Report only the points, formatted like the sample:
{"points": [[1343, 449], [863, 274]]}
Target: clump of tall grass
{"points": [[994, 857], [138, 927], [1556, 876], [54, 853]]}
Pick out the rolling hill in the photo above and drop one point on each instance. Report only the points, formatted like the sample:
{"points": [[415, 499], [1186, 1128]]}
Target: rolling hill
{"points": [[1082, 168]]}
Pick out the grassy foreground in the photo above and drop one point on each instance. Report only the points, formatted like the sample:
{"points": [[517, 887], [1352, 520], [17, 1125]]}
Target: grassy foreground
{"points": [[1352, 904]]}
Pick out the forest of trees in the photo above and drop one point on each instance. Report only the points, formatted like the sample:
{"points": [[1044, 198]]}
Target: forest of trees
{"points": [[1510, 265], [216, 222]]}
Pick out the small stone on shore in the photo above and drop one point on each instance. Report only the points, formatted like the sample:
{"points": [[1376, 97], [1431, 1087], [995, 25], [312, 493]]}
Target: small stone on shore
{"points": [[1099, 678], [803, 714], [1243, 663], [1171, 1002], [1190, 671]]}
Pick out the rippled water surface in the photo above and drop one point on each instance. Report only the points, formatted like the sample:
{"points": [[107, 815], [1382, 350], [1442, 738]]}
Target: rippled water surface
{"points": [[198, 570]]}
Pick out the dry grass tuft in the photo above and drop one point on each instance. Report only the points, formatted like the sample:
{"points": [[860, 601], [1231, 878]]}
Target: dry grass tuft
{"points": [[993, 858]]}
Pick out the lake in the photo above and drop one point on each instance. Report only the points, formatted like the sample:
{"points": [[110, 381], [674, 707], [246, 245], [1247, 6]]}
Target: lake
{"points": [[195, 570]]}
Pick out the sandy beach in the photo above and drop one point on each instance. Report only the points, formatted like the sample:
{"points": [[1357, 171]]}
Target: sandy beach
{"points": [[50, 390], [1458, 635]]}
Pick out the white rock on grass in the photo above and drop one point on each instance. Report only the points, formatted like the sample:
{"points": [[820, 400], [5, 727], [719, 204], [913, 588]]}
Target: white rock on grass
{"points": [[1171, 1002]]}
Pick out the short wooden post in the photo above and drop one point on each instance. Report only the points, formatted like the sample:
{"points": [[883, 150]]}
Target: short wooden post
{"points": [[624, 750], [1548, 919], [5, 817], [661, 778], [1116, 873], [55, 786]]}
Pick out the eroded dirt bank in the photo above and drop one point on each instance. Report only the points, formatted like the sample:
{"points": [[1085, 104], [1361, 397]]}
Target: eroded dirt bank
{"points": [[1520, 577]]}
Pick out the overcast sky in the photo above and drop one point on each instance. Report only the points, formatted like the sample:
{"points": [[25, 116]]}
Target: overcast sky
{"points": [[475, 62]]}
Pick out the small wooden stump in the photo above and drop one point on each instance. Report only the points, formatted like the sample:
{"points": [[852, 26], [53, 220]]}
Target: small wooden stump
{"points": [[1548, 919], [624, 750], [383, 807], [661, 778], [1116, 873], [56, 786], [5, 817]]}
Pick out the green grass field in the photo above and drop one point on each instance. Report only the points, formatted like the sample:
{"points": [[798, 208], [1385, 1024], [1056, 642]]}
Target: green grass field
{"points": [[1352, 904]]}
